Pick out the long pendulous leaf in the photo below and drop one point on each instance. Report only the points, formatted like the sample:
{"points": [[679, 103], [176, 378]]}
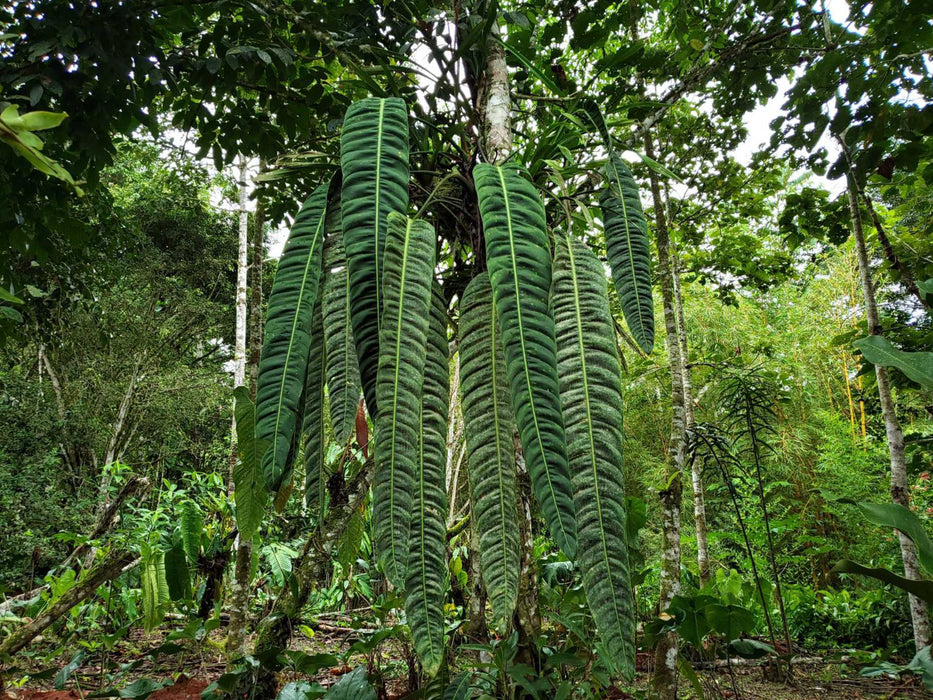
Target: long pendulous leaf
{"points": [[287, 339], [409, 274], [427, 544], [591, 397], [374, 161], [312, 429], [627, 250], [519, 264], [343, 370], [489, 429], [249, 486]]}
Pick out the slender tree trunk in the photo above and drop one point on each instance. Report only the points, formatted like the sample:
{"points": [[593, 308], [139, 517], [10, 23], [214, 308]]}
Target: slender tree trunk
{"points": [[664, 678], [899, 492], [239, 343], [255, 282], [240, 588], [696, 468]]}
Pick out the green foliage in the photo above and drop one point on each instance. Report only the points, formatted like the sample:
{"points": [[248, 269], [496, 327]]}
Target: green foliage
{"points": [[520, 275], [489, 427], [287, 340], [425, 581], [374, 163], [406, 286], [591, 399], [627, 249]]}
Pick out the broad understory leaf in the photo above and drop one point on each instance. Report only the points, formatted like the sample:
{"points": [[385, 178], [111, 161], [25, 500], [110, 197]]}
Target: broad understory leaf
{"points": [[352, 686], [916, 366], [489, 427], [591, 398], [374, 161], [519, 262], [626, 232], [312, 430], [409, 275], [427, 544], [287, 340], [249, 486], [343, 370]]}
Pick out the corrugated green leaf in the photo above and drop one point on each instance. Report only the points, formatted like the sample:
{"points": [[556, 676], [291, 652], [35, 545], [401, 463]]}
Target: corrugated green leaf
{"points": [[627, 250], [249, 486], [287, 339], [409, 275], [591, 398], [343, 370], [489, 429], [519, 264], [374, 160], [312, 430], [427, 554]]}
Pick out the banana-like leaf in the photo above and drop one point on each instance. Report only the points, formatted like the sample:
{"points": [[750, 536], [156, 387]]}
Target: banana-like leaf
{"points": [[287, 339], [343, 370], [374, 161], [519, 262], [489, 429], [409, 275], [249, 486], [312, 430], [427, 544], [591, 397], [627, 249]]}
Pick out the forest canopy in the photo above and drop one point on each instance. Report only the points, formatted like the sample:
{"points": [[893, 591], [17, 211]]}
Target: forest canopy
{"points": [[358, 349]]}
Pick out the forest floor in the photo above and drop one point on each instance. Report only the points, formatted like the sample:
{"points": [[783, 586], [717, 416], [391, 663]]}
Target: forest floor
{"points": [[193, 670]]}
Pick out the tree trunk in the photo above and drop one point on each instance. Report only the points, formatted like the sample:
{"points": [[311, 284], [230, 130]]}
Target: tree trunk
{"points": [[696, 469], [255, 303], [899, 491], [239, 590], [664, 678]]}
